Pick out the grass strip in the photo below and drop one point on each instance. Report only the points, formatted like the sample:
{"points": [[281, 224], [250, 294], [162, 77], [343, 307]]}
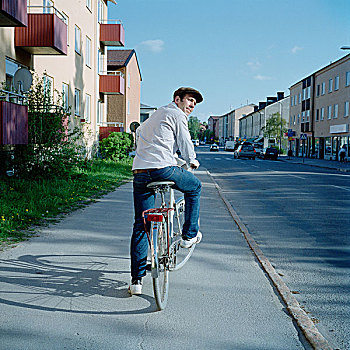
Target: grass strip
{"points": [[27, 203]]}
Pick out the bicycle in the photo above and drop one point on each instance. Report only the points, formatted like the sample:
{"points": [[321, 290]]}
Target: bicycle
{"points": [[164, 233]]}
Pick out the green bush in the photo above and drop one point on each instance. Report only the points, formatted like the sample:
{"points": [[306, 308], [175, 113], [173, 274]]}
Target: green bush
{"points": [[117, 146]]}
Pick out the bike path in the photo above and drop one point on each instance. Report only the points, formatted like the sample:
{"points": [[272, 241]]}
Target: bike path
{"points": [[67, 288]]}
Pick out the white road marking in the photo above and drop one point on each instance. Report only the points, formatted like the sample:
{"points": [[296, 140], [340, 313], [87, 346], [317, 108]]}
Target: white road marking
{"points": [[299, 177], [341, 187]]}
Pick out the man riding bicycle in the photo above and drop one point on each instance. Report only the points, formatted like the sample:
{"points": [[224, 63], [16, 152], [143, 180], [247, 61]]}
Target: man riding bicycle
{"points": [[158, 139]]}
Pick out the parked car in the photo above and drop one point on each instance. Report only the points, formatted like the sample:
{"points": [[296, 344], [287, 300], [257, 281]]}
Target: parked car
{"points": [[202, 142], [195, 142], [245, 151], [229, 145], [259, 149], [271, 153], [214, 148]]}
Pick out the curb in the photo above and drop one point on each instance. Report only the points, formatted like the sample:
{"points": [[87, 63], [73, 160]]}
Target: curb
{"points": [[308, 328], [317, 166]]}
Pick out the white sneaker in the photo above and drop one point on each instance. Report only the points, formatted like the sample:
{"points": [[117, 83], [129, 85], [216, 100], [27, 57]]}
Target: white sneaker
{"points": [[188, 243], [135, 287]]}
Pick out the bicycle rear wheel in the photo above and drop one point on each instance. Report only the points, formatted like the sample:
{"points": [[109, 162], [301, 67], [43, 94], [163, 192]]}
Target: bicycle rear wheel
{"points": [[179, 256], [160, 264]]}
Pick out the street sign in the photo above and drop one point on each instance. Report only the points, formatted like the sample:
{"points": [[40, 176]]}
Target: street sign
{"points": [[134, 126], [303, 136]]}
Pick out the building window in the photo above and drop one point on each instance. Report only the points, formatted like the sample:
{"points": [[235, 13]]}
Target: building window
{"points": [[48, 87], [347, 81], [77, 40], [304, 94], [47, 6], [302, 117], [336, 83], [88, 51], [323, 89], [346, 109], [298, 118], [292, 101], [318, 90], [322, 113], [77, 102], [87, 108], [88, 4], [100, 62], [317, 115], [128, 106], [329, 114], [65, 101], [100, 11], [330, 85], [307, 113], [308, 92], [299, 98], [129, 80], [335, 111], [99, 112], [294, 120]]}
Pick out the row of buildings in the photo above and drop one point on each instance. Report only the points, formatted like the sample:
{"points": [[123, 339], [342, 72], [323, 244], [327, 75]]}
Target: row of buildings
{"points": [[76, 48], [316, 114]]}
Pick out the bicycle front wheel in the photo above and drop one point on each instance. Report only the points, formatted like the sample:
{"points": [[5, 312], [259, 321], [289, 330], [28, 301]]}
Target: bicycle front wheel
{"points": [[179, 256], [160, 264]]}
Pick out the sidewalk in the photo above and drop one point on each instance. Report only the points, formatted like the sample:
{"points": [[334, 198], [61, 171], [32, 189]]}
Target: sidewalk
{"points": [[67, 288], [320, 163]]}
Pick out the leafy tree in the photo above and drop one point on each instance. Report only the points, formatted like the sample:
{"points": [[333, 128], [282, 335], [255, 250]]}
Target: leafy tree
{"points": [[275, 126], [194, 127]]}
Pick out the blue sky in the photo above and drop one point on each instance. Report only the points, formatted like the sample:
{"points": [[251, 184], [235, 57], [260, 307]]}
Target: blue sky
{"points": [[233, 51]]}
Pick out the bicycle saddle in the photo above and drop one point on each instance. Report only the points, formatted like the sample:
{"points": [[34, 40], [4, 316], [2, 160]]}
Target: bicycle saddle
{"points": [[157, 184]]}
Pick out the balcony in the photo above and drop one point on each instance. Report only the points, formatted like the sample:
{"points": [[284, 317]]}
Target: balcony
{"points": [[110, 127], [46, 33], [112, 33], [13, 120], [13, 13], [112, 83]]}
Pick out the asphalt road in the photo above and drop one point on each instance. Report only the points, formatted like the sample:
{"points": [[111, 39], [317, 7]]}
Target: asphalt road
{"points": [[300, 217]]}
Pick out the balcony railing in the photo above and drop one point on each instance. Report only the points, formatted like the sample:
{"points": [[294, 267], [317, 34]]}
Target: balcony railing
{"points": [[107, 128], [13, 119], [46, 33], [112, 83], [112, 33], [13, 13]]}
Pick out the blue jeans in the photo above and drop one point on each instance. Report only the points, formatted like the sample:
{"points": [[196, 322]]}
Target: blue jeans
{"points": [[144, 198]]}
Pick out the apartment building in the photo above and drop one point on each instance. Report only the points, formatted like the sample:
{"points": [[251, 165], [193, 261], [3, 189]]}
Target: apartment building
{"points": [[252, 125], [123, 109], [301, 116], [319, 111], [227, 125], [66, 41], [331, 109]]}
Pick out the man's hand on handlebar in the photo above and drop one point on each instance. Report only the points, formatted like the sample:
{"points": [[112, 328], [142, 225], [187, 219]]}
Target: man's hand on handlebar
{"points": [[195, 164]]}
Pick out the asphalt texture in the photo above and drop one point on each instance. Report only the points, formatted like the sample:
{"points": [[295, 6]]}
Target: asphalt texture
{"points": [[66, 288]]}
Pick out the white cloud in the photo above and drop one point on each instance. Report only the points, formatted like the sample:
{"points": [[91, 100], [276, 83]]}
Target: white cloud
{"points": [[262, 77], [153, 45], [295, 49], [254, 65]]}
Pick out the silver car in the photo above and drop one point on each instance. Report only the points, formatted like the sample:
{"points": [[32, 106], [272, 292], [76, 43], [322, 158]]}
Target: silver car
{"points": [[245, 151]]}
